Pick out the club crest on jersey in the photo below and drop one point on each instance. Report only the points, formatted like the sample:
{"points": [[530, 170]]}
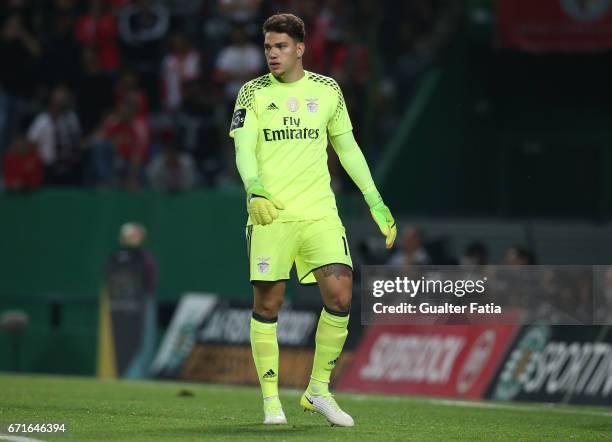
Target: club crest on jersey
{"points": [[263, 266], [293, 104], [312, 105]]}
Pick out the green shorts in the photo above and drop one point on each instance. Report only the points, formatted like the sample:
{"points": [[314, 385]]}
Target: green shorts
{"points": [[273, 249]]}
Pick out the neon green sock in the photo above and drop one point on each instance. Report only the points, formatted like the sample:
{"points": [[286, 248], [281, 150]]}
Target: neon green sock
{"points": [[264, 346], [330, 337]]}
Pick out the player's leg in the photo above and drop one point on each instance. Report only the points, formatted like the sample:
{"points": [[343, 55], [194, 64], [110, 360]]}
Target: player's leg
{"points": [[324, 257], [271, 251], [267, 300], [336, 285]]}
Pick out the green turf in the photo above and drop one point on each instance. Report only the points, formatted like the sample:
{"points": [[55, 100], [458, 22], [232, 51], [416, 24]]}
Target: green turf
{"points": [[95, 410]]}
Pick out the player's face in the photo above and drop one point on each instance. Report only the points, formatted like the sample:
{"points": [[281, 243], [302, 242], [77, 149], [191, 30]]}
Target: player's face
{"points": [[282, 53]]}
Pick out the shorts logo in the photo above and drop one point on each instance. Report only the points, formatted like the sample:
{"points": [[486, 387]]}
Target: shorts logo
{"points": [[263, 266], [238, 119], [293, 104], [312, 105]]}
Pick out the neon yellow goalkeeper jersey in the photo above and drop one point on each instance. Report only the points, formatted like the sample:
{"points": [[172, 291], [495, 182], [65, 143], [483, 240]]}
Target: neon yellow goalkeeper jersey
{"points": [[292, 121]]}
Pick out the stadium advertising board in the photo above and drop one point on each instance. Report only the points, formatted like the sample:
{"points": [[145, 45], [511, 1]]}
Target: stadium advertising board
{"points": [[557, 364], [180, 337], [233, 364], [453, 361], [213, 345], [222, 351], [230, 325], [555, 25]]}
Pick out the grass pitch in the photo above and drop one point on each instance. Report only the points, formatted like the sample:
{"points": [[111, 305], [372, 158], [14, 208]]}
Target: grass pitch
{"points": [[95, 410]]}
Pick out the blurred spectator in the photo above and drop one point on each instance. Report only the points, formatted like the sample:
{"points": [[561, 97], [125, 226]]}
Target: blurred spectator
{"points": [[384, 120], [18, 52], [97, 29], [179, 66], [417, 30], [142, 28], [603, 295], [130, 283], [19, 48], [172, 170], [237, 63], [94, 93], [439, 252], [317, 21], [349, 66], [57, 135], [350, 60], [519, 256], [411, 250], [121, 148], [197, 125], [24, 8], [184, 8], [61, 51], [128, 87], [475, 253], [23, 168], [116, 5], [239, 11]]}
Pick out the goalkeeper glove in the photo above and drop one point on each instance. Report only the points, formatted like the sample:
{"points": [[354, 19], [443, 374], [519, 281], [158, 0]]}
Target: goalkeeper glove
{"points": [[382, 216], [262, 206]]}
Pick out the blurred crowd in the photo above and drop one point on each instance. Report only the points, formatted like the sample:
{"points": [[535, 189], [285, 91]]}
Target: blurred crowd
{"points": [[137, 94], [415, 248]]}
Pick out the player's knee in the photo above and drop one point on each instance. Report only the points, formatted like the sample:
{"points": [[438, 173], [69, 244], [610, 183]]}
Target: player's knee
{"points": [[268, 299], [339, 301], [269, 307]]}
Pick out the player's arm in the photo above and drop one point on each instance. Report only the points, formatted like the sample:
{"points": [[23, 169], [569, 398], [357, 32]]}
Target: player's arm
{"points": [[261, 206], [340, 132], [355, 164]]}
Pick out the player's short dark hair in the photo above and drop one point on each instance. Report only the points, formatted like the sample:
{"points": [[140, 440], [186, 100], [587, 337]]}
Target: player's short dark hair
{"points": [[289, 24]]}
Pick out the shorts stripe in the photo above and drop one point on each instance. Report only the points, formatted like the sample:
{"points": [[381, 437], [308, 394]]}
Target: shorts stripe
{"points": [[249, 236]]}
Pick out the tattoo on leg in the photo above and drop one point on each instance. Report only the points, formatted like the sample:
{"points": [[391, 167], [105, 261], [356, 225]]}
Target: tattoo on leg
{"points": [[337, 270]]}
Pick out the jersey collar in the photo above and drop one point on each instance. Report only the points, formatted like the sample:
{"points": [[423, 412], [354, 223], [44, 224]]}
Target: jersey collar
{"points": [[293, 84]]}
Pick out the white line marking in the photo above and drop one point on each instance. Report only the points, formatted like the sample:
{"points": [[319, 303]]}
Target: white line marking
{"points": [[18, 438], [531, 408], [535, 407]]}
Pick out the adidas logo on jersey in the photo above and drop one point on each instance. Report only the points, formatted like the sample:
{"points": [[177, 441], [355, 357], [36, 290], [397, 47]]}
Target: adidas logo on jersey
{"points": [[269, 374], [272, 106]]}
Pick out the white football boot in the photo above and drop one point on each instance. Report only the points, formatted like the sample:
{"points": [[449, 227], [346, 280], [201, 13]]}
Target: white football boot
{"points": [[326, 405], [273, 411]]}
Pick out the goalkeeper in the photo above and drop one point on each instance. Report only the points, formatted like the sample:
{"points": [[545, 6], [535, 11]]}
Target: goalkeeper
{"points": [[280, 126]]}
